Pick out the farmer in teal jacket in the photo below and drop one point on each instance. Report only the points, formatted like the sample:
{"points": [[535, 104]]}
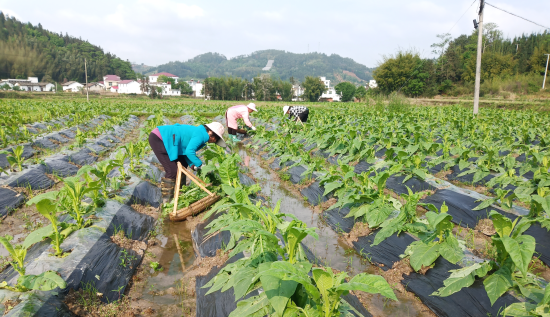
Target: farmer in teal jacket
{"points": [[180, 143]]}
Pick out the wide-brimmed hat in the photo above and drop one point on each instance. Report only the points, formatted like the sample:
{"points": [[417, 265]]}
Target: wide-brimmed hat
{"points": [[285, 109], [252, 106], [218, 129]]}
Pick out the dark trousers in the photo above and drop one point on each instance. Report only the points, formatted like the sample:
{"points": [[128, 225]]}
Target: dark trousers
{"points": [[170, 167], [304, 115], [235, 131]]}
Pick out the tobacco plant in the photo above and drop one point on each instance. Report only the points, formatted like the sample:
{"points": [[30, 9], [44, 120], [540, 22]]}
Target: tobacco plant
{"points": [[44, 282], [509, 270], [438, 240]]}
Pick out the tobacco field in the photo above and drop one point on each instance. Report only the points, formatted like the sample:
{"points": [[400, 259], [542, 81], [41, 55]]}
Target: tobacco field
{"points": [[376, 209]]}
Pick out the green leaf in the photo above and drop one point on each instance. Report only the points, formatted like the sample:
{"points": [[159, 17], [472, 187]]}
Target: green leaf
{"points": [[502, 224], [378, 215], [498, 283], [519, 310], [256, 306], [486, 203], [332, 186], [461, 278], [322, 279], [278, 291], [45, 282], [37, 236], [374, 284], [521, 250], [543, 201], [546, 299], [49, 195], [424, 255], [450, 250]]}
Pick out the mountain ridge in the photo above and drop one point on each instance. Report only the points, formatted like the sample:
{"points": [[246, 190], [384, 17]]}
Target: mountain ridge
{"points": [[286, 65]]}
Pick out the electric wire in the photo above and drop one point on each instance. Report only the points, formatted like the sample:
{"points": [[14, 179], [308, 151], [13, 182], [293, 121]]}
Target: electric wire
{"points": [[462, 16], [517, 16]]}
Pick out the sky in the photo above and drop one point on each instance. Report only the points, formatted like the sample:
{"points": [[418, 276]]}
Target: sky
{"points": [[155, 32]]}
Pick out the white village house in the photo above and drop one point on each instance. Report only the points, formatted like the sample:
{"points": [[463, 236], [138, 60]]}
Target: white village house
{"points": [[110, 81], [330, 94], [129, 87], [36, 86], [166, 89], [154, 78], [72, 86], [297, 92], [29, 84], [196, 86]]}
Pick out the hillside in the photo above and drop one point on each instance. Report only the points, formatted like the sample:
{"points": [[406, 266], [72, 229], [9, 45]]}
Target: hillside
{"points": [[27, 50], [285, 65]]}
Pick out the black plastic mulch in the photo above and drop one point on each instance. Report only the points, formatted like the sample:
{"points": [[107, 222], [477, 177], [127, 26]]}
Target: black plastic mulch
{"points": [[104, 258], [217, 304], [296, 174], [35, 178], [387, 252], [335, 218], [83, 157], [9, 200], [542, 236], [314, 193], [361, 167], [45, 144], [416, 185], [460, 207], [468, 179], [28, 151], [470, 301], [60, 168], [207, 246], [146, 194]]}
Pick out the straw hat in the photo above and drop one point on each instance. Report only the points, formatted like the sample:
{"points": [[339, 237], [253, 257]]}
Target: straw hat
{"points": [[252, 106], [218, 129]]}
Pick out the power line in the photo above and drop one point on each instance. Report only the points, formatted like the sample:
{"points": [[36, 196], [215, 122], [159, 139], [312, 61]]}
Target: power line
{"points": [[517, 15], [462, 16]]}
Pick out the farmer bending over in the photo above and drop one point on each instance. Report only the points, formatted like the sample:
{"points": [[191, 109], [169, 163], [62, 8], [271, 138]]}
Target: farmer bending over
{"points": [[180, 143], [236, 112], [296, 113]]}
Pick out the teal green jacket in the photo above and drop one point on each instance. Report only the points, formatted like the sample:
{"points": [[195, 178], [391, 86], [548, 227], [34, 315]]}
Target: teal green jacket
{"points": [[182, 139]]}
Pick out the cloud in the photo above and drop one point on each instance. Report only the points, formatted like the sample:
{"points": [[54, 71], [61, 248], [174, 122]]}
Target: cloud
{"points": [[158, 31]]}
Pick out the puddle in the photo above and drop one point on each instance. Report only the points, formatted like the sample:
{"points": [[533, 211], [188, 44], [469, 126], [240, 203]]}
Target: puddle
{"points": [[161, 288], [330, 248]]}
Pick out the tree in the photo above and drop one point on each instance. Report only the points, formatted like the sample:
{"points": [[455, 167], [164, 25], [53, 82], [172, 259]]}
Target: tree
{"points": [[361, 93], [346, 90], [185, 88], [396, 70], [284, 88], [314, 88]]}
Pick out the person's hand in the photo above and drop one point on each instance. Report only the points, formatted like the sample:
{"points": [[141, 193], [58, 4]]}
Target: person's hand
{"points": [[196, 168], [253, 128]]}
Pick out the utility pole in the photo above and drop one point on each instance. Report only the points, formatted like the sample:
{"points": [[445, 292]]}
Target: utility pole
{"points": [[478, 63], [545, 70], [86, 75]]}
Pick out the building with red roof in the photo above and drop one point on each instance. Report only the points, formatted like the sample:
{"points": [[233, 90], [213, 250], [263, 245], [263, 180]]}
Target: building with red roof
{"points": [[110, 81], [153, 78]]}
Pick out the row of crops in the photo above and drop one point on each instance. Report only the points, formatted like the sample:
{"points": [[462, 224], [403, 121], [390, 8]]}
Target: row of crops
{"points": [[80, 191], [379, 166], [404, 186]]}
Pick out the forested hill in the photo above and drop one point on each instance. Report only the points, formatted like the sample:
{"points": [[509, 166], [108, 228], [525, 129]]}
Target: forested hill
{"points": [[27, 50], [285, 65]]}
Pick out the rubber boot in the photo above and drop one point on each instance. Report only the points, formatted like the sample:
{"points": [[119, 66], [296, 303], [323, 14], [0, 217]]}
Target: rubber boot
{"points": [[167, 189]]}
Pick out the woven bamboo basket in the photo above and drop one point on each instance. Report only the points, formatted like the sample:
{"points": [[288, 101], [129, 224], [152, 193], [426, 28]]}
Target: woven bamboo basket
{"points": [[194, 208]]}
